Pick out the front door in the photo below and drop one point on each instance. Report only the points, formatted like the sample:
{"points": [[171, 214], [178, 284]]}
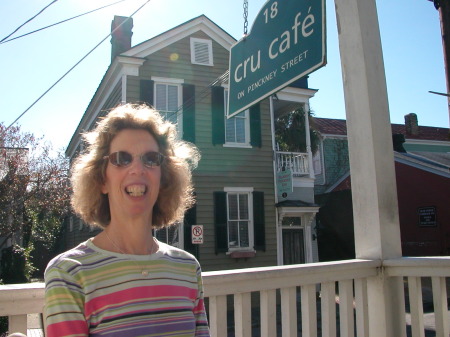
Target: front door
{"points": [[293, 246]]}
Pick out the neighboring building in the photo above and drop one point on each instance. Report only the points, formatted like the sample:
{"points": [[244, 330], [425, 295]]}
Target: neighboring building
{"points": [[183, 74], [422, 165]]}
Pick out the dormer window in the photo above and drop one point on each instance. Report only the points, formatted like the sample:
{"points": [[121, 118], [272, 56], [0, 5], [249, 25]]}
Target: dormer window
{"points": [[201, 52]]}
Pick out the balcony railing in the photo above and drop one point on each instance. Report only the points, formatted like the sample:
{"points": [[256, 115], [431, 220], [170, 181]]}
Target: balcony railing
{"points": [[297, 162], [316, 299]]}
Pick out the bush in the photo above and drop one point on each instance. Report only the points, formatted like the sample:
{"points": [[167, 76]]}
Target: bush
{"points": [[16, 266]]}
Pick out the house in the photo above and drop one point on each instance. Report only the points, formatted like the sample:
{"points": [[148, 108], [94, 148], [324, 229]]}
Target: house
{"points": [[183, 73], [422, 166]]}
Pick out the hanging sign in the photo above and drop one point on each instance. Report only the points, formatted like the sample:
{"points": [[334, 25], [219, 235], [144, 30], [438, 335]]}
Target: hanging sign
{"points": [[197, 234], [286, 43], [284, 183]]}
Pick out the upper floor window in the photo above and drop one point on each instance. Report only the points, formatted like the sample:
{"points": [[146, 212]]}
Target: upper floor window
{"points": [[237, 128], [168, 100], [201, 52]]}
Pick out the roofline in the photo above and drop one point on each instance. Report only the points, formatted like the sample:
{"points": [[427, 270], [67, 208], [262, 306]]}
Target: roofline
{"points": [[179, 32]]}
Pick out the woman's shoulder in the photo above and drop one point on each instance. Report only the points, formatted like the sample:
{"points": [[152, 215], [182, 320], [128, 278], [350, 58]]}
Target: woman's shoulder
{"points": [[175, 252], [71, 257]]}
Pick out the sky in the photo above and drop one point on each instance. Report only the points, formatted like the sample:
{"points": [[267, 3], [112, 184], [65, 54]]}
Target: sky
{"points": [[410, 33]]}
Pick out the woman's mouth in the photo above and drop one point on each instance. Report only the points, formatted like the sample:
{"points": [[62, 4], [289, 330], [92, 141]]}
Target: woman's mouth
{"points": [[136, 190]]}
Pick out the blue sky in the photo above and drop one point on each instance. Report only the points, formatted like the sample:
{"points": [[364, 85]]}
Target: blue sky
{"points": [[410, 32]]}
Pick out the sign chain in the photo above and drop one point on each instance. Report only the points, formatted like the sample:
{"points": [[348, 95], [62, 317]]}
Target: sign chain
{"points": [[245, 17]]}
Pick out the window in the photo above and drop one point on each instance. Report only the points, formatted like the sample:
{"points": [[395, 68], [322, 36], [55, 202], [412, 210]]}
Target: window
{"points": [[237, 128], [169, 235], [168, 100], [239, 222], [201, 52]]}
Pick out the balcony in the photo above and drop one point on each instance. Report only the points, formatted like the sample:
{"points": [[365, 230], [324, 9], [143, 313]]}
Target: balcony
{"points": [[317, 299], [297, 162]]}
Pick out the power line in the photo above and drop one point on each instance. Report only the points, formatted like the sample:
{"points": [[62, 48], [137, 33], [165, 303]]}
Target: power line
{"points": [[57, 23], [76, 64], [23, 24]]}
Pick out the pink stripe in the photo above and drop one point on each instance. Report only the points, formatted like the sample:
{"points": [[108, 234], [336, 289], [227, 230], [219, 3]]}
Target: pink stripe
{"points": [[137, 294], [67, 328]]}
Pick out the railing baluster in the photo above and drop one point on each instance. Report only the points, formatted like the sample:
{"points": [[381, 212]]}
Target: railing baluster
{"points": [[17, 323], [362, 312], [328, 309], [218, 315], [289, 311], [268, 313], [346, 320], [416, 306], [440, 305], [309, 310], [242, 315]]}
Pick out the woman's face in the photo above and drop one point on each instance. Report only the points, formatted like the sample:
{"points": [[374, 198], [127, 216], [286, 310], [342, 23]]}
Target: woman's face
{"points": [[132, 190]]}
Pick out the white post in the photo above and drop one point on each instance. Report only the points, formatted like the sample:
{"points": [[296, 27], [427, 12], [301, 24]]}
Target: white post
{"points": [[308, 143], [374, 193]]}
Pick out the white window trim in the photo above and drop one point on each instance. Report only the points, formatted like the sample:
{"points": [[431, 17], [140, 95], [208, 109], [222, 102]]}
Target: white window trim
{"points": [[246, 144], [193, 40], [251, 243], [176, 82]]}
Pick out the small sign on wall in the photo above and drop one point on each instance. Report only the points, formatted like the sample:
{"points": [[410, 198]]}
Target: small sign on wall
{"points": [[197, 234], [427, 216]]}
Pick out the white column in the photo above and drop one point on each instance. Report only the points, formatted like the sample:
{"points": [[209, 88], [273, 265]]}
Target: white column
{"points": [[374, 193], [308, 143]]}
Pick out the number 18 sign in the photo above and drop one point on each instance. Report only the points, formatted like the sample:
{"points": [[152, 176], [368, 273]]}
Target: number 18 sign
{"points": [[286, 43]]}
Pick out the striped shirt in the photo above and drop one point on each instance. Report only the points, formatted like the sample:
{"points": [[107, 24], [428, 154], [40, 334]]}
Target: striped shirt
{"points": [[94, 292]]}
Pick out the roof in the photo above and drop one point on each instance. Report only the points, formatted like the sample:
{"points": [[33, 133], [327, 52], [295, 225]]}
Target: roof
{"points": [[338, 127]]}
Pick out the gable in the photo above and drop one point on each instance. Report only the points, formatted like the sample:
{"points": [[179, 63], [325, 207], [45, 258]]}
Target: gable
{"points": [[201, 23]]}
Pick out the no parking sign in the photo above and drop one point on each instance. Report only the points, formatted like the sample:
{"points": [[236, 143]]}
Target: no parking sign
{"points": [[197, 234]]}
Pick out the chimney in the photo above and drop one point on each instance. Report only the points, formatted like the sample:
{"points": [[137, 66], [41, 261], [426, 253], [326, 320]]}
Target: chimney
{"points": [[121, 32], [411, 124]]}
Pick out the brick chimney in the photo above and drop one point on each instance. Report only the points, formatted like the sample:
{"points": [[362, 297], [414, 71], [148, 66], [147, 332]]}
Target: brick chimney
{"points": [[411, 124], [121, 37]]}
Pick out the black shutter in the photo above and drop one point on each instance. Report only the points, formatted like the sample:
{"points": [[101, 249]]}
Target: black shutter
{"points": [[255, 125], [189, 112], [259, 221], [190, 219], [146, 92], [220, 221], [218, 114]]}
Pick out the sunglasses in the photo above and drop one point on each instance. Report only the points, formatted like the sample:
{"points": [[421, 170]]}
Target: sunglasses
{"points": [[123, 159]]}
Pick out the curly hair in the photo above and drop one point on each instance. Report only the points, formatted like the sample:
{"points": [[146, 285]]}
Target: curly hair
{"points": [[89, 169]]}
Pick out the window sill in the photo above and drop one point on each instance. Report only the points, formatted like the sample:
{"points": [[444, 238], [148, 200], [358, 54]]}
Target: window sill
{"points": [[241, 254]]}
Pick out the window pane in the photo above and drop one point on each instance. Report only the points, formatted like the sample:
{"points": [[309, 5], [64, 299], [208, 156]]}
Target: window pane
{"points": [[172, 98], [160, 97], [243, 206], [233, 207], [240, 130], [243, 234], [230, 134], [233, 234]]}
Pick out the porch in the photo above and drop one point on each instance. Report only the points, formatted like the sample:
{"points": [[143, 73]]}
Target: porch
{"points": [[318, 299]]}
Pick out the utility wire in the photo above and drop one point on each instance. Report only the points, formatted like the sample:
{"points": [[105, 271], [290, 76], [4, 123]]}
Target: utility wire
{"points": [[23, 24], [57, 23], [76, 64]]}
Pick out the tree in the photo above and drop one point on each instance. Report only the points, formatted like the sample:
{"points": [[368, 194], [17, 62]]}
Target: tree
{"points": [[34, 189], [290, 132]]}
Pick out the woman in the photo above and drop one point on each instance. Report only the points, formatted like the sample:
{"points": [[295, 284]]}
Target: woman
{"points": [[134, 177]]}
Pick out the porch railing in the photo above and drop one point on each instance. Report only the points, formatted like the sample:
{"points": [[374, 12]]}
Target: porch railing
{"points": [[316, 299], [296, 161]]}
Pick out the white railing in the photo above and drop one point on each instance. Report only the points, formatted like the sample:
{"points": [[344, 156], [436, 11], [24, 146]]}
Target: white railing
{"points": [[288, 298], [296, 161]]}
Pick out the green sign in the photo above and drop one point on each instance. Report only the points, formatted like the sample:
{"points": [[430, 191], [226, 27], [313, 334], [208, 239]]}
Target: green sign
{"points": [[284, 182], [286, 43]]}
